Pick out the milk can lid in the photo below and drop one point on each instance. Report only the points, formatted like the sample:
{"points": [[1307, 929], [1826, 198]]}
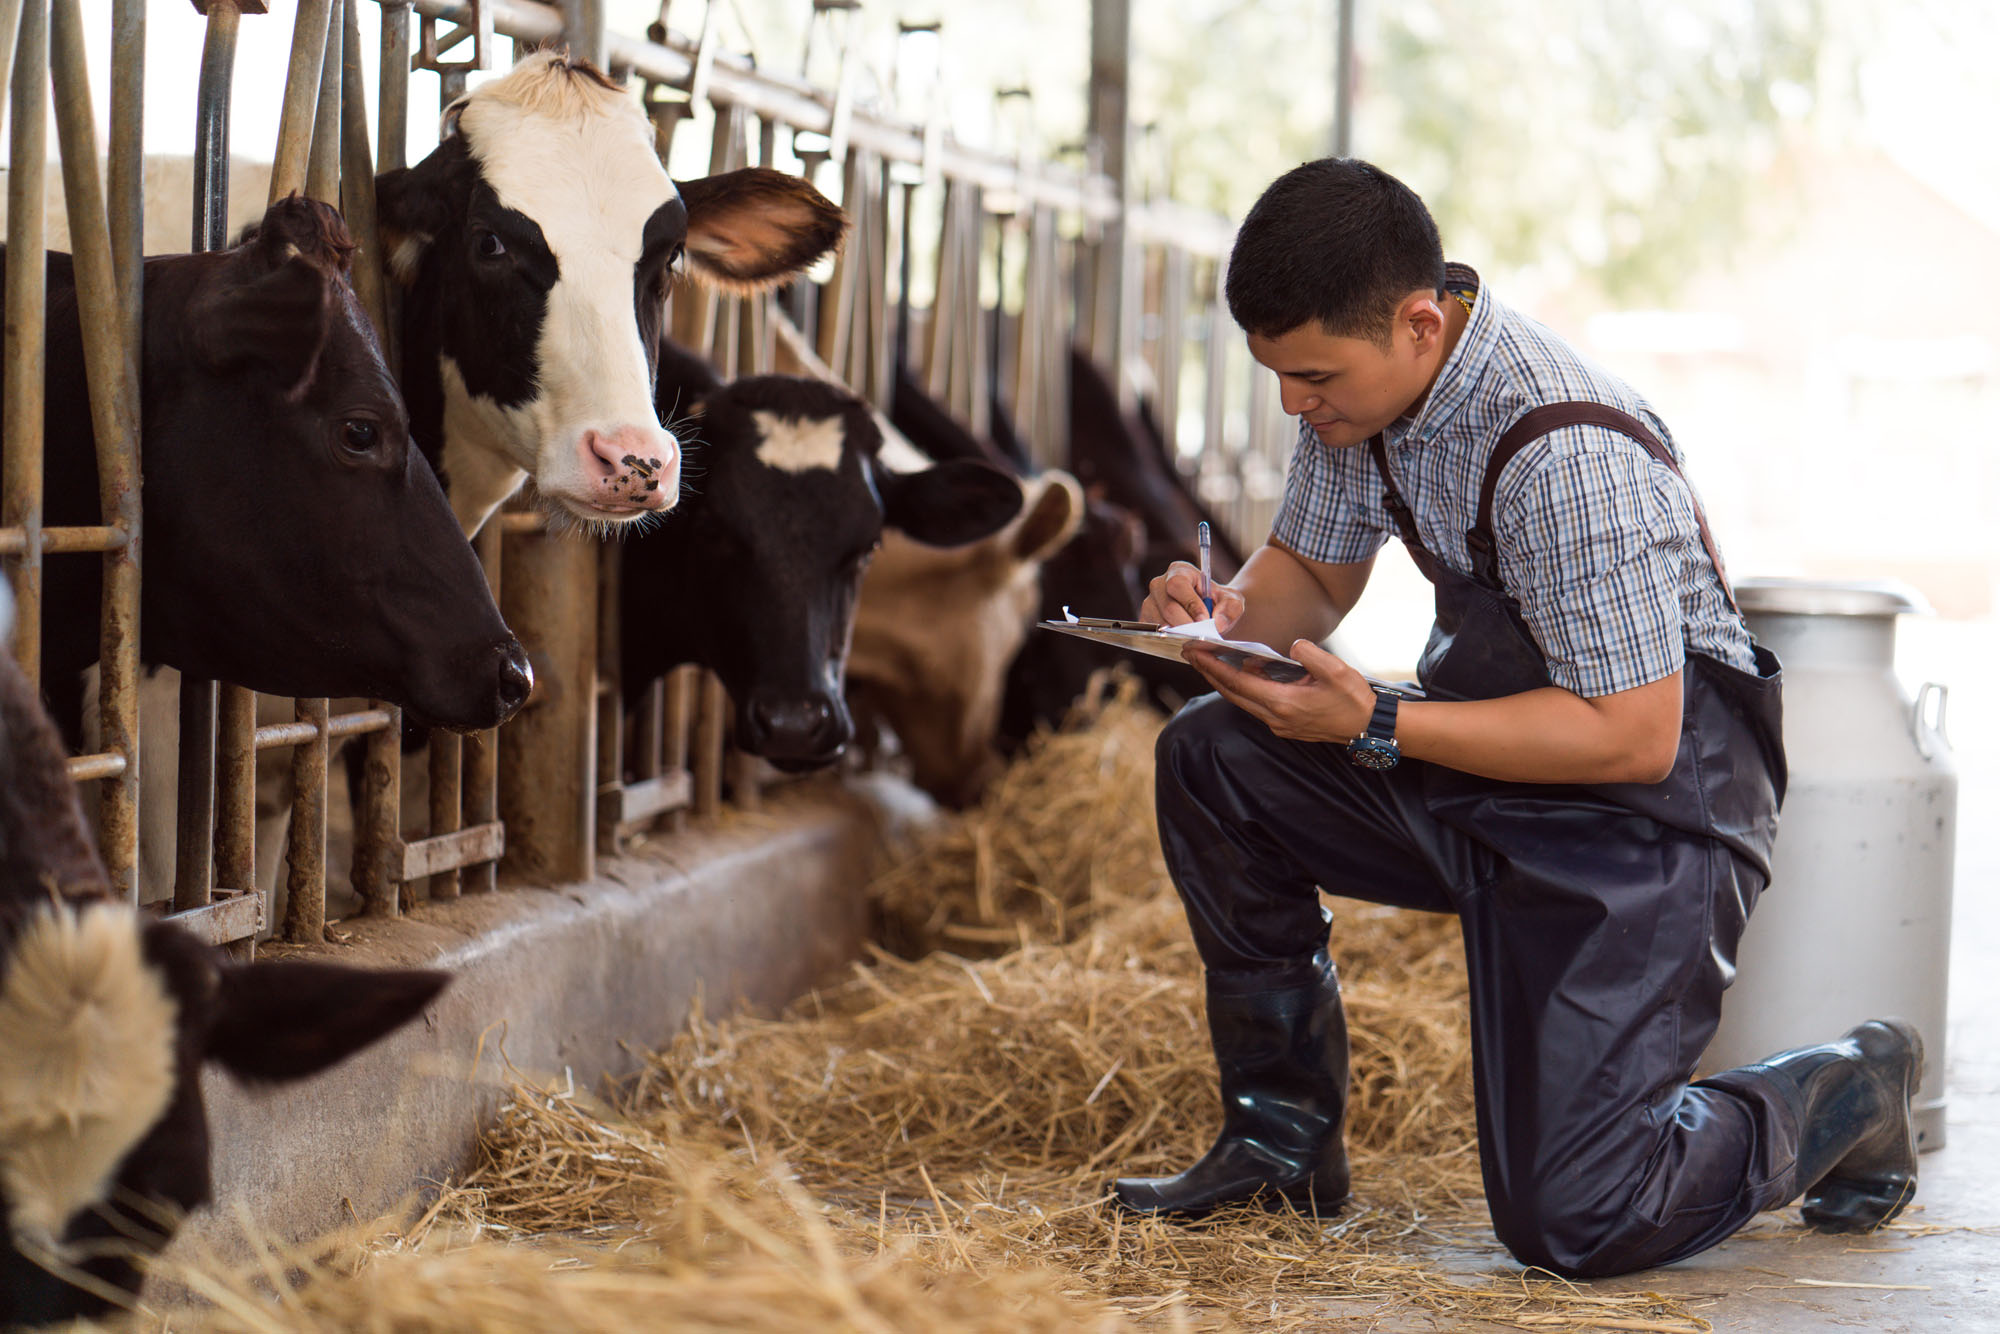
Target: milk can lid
{"points": [[1831, 597]]}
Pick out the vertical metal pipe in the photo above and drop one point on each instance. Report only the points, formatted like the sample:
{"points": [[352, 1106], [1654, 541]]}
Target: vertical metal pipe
{"points": [[323, 162], [236, 787], [110, 365], [611, 700], [211, 127], [26, 330], [1109, 127], [195, 811], [377, 873], [1343, 78], [447, 756], [394, 103], [682, 685], [302, 84], [710, 713], [548, 753], [583, 30], [481, 799], [357, 177], [305, 904]]}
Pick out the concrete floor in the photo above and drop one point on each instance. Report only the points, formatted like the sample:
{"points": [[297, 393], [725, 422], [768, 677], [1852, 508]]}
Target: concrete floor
{"points": [[1940, 1264]]}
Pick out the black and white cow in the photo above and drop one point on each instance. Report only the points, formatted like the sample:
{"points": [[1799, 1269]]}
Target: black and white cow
{"points": [[295, 543], [755, 575], [106, 1018], [536, 245]]}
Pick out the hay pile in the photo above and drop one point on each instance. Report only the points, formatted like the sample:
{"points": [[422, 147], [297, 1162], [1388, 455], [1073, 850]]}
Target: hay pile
{"points": [[929, 1146]]}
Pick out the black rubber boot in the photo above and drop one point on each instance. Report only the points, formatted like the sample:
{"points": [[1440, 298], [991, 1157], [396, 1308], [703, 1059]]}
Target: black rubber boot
{"points": [[1857, 1163], [1281, 1047]]}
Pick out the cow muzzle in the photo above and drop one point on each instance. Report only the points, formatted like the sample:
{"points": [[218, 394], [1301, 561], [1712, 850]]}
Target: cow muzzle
{"points": [[795, 733], [626, 471]]}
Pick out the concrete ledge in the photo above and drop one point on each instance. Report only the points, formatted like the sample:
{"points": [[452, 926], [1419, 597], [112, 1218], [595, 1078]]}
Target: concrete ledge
{"points": [[753, 911]]}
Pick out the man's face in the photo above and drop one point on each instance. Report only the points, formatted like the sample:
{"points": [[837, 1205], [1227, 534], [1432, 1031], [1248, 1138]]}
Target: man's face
{"points": [[1347, 389]]}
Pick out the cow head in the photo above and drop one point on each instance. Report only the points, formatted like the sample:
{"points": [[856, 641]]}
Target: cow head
{"points": [[106, 1018], [935, 631], [537, 243], [295, 542], [756, 577]]}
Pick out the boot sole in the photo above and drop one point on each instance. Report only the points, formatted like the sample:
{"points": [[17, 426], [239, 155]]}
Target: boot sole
{"points": [[1862, 1204]]}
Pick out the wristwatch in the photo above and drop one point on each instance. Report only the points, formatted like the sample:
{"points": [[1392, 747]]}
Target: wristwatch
{"points": [[1376, 748]]}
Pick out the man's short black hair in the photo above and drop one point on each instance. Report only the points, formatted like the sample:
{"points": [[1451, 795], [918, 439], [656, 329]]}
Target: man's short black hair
{"points": [[1338, 242]]}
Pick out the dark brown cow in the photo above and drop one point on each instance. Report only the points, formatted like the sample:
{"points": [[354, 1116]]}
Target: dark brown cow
{"points": [[295, 543]]}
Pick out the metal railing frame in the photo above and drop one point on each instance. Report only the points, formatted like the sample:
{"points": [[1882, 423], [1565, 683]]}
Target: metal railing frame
{"points": [[573, 776]]}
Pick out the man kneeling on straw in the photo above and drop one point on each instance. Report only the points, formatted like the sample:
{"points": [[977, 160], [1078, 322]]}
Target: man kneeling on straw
{"points": [[1589, 777]]}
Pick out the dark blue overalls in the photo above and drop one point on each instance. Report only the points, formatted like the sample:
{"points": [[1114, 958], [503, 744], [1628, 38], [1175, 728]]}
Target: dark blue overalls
{"points": [[1600, 922]]}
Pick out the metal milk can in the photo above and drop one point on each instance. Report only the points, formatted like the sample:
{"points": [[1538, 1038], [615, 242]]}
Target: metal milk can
{"points": [[1856, 923]]}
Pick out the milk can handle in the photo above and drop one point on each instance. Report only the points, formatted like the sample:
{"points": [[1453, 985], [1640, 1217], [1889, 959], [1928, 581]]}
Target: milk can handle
{"points": [[1922, 732]]}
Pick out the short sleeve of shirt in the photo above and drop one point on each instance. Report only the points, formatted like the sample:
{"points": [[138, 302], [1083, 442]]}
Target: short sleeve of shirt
{"points": [[1318, 517], [1598, 544]]}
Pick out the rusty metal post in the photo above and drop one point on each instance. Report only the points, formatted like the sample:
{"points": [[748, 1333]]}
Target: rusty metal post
{"points": [[548, 753], [677, 725], [446, 761], [26, 330], [302, 85], [357, 178], [377, 869], [111, 368], [481, 781], [305, 903], [394, 102], [610, 701], [323, 160], [711, 711]]}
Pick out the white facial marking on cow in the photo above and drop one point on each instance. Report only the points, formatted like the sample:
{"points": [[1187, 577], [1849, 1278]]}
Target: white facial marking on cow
{"points": [[578, 159], [799, 444], [482, 478], [87, 1067]]}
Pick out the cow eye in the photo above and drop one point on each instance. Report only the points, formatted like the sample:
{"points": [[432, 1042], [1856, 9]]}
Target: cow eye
{"points": [[359, 435], [674, 259], [488, 245]]}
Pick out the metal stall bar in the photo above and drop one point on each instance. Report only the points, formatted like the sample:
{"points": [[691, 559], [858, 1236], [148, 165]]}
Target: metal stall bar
{"points": [[26, 336], [111, 370], [481, 770]]}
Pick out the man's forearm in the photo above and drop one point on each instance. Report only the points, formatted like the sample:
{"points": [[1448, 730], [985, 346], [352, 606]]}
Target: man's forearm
{"points": [[1282, 600], [1549, 735]]}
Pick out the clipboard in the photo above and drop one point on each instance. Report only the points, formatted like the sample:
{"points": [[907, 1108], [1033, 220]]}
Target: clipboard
{"points": [[1156, 641]]}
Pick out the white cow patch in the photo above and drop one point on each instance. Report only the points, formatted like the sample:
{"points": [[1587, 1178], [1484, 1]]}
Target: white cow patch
{"points": [[86, 1064], [799, 444]]}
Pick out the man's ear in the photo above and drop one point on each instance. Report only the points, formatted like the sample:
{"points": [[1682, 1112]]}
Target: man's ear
{"points": [[752, 229], [284, 1020], [949, 505], [413, 206]]}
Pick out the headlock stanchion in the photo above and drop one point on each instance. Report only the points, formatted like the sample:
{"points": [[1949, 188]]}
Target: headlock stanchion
{"points": [[572, 776]]}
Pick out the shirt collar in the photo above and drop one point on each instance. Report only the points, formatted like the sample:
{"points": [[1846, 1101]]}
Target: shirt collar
{"points": [[1462, 369]]}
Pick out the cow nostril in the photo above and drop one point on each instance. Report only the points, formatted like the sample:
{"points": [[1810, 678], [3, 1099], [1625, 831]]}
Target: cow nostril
{"points": [[517, 678]]}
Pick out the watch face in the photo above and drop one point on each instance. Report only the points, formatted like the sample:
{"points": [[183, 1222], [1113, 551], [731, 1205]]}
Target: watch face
{"points": [[1373, 753]]}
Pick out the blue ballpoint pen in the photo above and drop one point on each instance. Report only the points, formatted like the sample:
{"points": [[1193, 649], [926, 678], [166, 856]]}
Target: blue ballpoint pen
{"points": [[1207, 582]]}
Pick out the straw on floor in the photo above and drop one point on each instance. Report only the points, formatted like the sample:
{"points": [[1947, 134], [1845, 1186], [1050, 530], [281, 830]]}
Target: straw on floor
{"points": [[933, 1140]]}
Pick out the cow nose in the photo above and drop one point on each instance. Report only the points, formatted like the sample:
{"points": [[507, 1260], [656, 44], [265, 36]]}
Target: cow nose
{"points": [[808, 728], [517, 679], [632, 467]]}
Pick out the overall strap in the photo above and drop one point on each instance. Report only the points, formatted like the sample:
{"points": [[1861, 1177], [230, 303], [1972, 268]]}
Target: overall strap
{"points": [[1399, 513], [1539, 422]]}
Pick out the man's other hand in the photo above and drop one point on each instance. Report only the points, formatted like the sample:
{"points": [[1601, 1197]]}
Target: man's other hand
{"points": [[1333, 704], [1175, 599]]}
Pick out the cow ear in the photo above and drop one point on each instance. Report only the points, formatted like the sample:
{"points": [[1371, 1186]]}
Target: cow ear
{"points": [[752, 229], [951, 504], [285, 1020], [413, 207], [276, 317], [1052, 517]]}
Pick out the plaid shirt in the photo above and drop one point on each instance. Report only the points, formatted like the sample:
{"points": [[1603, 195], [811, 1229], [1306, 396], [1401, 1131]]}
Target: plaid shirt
{"points": [[1598, 541]]}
